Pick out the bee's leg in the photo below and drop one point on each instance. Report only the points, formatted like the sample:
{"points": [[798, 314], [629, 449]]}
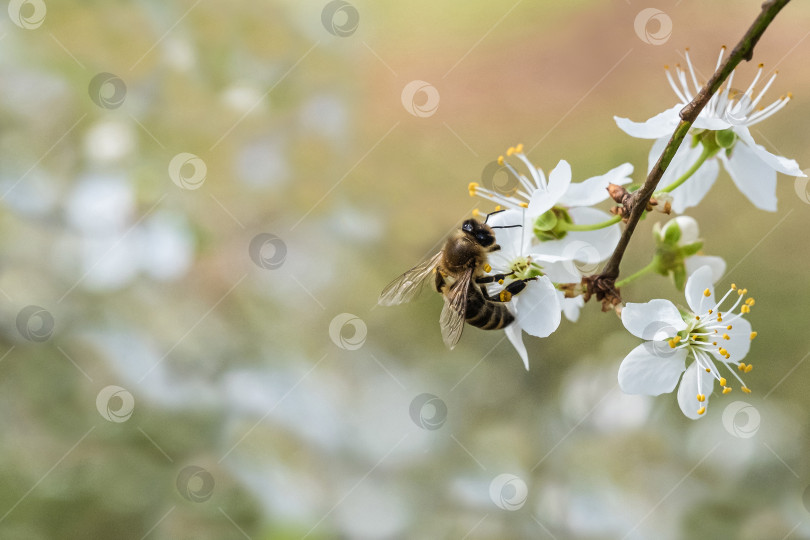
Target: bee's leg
{"points": [[509, 291], [494, 277]]}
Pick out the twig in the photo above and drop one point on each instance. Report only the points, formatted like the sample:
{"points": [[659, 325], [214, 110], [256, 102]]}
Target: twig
{"points": [[603, 284]]}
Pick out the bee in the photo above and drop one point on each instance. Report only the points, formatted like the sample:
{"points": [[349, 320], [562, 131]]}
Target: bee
{"points": [[459, 273]]}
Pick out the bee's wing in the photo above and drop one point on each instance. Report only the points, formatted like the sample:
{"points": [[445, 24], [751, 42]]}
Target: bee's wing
{"points": [[455, 309], [407, 286]]}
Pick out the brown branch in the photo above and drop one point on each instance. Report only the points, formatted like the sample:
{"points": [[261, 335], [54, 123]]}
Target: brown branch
{"points": [[603, 284]]}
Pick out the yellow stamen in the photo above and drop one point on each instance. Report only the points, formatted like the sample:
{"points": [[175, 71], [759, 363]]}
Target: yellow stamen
{"points": [[748, 368], [519, 148], [746, 389], [500, 161], [750, 301], [708, 370], [753, 335], [707, 292], [505, 296], [725, 336], [745, 309], [722, 351], [727, 389], [702, 410], [487, 268], [710, 312], [728, 327], [476, 212], [697, 317], [701, 398], [722, 381], [714, 343], [733, 286], [741, 367], [510, 151], [498, 208], [472, 186], [500, 282], [524, 205]]}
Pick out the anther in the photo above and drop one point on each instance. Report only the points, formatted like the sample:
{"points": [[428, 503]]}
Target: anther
{"points": [[472, 187], [701, 410], [746, 389], [519, 148], [701, 398], [707, 292], [748, 368], [725, 336], [500, 161], [722, 381], [753, 335], [505, 296], [726, 389], [487, 268], [524, 205], [750, 301], [733, 286], [728, 327], [741, 367]]}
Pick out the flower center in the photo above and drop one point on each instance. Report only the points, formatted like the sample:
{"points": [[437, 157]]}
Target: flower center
{"points": [[708, 337], [524, 268]]}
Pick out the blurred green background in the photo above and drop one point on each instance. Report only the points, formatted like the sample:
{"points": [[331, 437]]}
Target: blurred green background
{"points": [[235, 411]]}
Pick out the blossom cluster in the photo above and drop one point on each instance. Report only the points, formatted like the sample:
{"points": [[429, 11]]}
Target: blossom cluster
{"points": [[551, 236]]}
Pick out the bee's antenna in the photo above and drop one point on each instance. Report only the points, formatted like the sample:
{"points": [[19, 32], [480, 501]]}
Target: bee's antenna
{"points": [[493, 213], [505, 226]]}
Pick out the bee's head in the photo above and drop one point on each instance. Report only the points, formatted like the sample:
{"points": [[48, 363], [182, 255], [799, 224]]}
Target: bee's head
{"points": [[480, 233]]}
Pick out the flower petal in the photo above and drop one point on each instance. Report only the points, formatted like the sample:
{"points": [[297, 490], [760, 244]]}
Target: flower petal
{"points": [[777, 163], [717, 264], [512, 240], [696, 286], [558, 182], [689, 229], [514, 333], [755, 178], [571, 306], [562, 272], [652, 368], [656, 320], [660, 125], [739, 343], [691, 192], [594, 190], [688, 390], [537, 308]]}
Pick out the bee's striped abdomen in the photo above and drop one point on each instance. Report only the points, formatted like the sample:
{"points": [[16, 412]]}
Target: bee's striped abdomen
{"points": [[486, 314]]}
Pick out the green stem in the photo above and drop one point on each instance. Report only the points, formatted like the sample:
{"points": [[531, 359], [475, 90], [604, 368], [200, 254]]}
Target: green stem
{"points": [[707, 152], [593, 227], [647, 269]]}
